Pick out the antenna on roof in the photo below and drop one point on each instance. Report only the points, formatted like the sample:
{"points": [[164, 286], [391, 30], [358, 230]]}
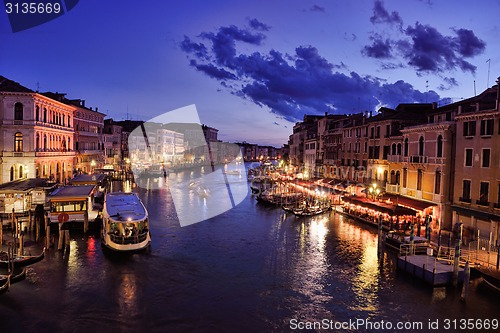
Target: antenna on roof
{"points": [[488, 80], [37, 86], [426, 90], [474, 88]]}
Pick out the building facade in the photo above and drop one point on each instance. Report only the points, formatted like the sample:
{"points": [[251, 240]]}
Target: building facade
{"points": [[37, 135]]}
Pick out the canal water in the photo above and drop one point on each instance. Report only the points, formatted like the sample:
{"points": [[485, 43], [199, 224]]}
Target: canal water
{"points": [[251, 269]]}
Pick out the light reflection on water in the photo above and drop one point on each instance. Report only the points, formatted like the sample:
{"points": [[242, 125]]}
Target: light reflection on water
{"points": [[251, 269]]}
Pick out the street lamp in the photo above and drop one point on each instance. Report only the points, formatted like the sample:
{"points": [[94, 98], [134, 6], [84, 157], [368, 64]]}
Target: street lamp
{"points": [[374, 191]]}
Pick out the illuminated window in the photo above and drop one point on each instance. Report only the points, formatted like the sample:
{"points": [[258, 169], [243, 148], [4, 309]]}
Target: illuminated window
{"points": [[18, 142]]}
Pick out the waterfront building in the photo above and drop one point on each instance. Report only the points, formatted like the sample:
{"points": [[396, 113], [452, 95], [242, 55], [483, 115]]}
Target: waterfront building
{"points": [[476, 195], [88, 140], [37, 135], [112, 139], [424, 170]]}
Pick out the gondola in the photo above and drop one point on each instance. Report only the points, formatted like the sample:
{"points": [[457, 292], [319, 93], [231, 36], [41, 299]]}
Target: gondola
{"points": [[20, 261], [4, 283], [490, 277]]}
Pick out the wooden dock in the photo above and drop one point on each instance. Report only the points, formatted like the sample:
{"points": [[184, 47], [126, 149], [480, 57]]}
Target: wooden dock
{"points": [[429, 269]]}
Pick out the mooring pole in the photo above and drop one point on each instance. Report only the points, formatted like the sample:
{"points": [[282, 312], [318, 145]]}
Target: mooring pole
{"points": [[458, 245], [465, 286]]}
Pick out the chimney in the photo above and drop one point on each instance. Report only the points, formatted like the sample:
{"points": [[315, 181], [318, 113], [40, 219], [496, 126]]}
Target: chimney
{"points": [[96, 110], [83, 102]]}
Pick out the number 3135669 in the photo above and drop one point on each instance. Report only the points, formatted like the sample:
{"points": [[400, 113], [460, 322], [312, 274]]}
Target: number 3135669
{"points": [[32, 8]]}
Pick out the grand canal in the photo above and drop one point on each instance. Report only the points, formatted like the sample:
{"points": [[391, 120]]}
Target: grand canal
{"points": [[251, 269]]}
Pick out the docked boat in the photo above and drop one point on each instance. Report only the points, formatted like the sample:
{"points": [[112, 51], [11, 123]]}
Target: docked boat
{"points": [[490, 277], [7, 280], [311, 210], [19, 261], [125, 224], [394, 240]]}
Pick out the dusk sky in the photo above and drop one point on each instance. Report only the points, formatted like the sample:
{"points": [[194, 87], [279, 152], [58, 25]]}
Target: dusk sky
{"points": [[253, 68]]}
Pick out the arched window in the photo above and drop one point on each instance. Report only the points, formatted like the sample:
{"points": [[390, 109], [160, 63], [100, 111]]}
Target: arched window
{"points": [[393, 149], [393, 177], [21, 171], [37, 143], [44, 115], [406, 147], [37, 113], [421, 146], [18, 111], [18, 142], [11, 173], [399, 149], [398, 175], [439, 146], [45, 142]]}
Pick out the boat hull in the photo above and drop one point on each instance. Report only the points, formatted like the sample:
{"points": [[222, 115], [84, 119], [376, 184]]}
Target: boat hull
{"points": [[22, 261], [126, 246]]}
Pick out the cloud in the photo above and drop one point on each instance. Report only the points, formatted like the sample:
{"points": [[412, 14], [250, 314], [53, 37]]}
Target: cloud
{"points": [[317, 8], [450, 83], [430, 51], [381, 15], [292, 84], [380, 49], [257, 25]]}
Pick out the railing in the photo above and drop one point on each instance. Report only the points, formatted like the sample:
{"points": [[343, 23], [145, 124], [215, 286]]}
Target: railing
{"points": [[412, 249], [436, 160], [392, 188], [123, 240], [418, 159], [394, 158], [482, 203], [462, 199]]}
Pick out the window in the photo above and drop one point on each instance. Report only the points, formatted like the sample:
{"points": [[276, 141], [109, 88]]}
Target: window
{"points": [[387, 130], [448, 116], [372, 131], [468, 157], [44, 115], [421, 146], [470, 128], [366, 146], [18, 111], [431, 119], [420, 176], [406, 147], [439, 146], [486, 158], [487, 127], [497, 205], [397, 177], [37, 113], [437, 182], [483, 193], [393, 149], [405, 176], [377, 134], [18, 142], [399, 149], [465, 190], [385, 152]]}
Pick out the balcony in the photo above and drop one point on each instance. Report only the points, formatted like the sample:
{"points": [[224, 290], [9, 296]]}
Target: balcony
{"points": [[418, 159], [392, 188], [462, 199], [482, 203], [436, 160], [395, 158], [53, 152]]}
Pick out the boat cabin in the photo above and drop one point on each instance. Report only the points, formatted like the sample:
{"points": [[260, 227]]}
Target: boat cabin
{"points": [[73, 201]]}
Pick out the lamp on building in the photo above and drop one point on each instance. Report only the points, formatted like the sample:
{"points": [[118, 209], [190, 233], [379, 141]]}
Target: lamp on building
{"points": [[92, 165], [374, 191]]}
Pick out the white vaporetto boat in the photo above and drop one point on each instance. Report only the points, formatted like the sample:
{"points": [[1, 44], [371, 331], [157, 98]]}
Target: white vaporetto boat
{"points": [[125, 222]]}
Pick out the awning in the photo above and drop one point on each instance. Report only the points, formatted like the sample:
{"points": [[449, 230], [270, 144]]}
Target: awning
{"points": [[414, 204], [383, 207]]}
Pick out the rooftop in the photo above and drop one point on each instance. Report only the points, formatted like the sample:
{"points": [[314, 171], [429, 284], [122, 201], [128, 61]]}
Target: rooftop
{"points": [[24, 185]]}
